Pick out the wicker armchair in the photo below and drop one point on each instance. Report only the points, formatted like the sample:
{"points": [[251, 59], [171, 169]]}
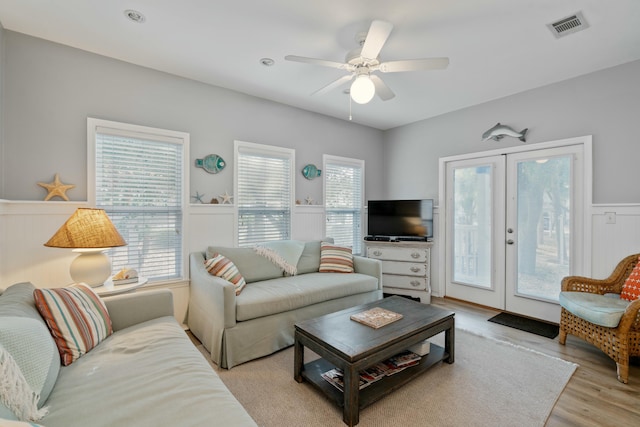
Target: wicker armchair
{"points": [[619, 343]]}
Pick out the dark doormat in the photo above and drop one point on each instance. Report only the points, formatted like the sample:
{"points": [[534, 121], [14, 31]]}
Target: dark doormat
{"points": [[548, 330]]}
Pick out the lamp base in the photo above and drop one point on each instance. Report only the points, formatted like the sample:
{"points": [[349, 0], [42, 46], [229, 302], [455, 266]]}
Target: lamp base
{"points": [[92, 267]]}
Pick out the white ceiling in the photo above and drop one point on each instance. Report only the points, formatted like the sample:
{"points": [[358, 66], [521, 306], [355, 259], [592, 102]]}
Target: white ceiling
{"points": [[496, 47]]}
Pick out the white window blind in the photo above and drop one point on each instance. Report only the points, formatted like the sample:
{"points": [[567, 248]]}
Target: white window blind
{"points": [[264, 193], [139, 183], [344, 190]]}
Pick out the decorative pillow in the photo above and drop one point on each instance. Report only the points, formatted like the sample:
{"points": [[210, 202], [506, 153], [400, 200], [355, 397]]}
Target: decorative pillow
{"points": [[15, 392], [335, 259], [30, 345], [631, 287], [77, 318], [223, 267]]}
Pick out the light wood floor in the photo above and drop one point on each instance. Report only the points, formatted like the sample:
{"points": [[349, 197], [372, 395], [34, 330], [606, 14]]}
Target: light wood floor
{"points": [[593, 397]]}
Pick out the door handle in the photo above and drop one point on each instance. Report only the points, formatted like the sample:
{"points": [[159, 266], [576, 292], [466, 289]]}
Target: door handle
{"points": [[510, 242]]}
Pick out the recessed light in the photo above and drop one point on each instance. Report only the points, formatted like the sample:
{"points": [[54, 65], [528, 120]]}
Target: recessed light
{"points": [[134, 16], [267, 62]]}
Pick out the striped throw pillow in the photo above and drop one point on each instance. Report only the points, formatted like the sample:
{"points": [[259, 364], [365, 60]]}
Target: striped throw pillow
{"points": [[77, 318], [335, 259], [223, 267]]}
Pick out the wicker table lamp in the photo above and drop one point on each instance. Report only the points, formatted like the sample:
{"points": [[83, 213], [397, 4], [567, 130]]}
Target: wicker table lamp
{"points": [[89, 232]]}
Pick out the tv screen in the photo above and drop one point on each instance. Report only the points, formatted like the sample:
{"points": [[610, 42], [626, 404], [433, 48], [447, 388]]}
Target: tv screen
{"points": [[400, 218]]}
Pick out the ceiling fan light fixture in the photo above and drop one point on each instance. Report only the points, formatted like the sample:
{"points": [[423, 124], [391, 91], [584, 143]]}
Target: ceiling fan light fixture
{"points": [[362, 89]]}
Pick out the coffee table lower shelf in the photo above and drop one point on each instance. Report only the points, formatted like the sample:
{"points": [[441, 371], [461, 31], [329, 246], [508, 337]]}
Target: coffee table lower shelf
{"points": [[312, 373]]}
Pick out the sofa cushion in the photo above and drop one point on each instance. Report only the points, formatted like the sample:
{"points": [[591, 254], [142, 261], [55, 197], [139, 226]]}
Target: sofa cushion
{"points": [[335, 259], [149, 374], [17, 303], [76, 317], [309, 261], [223, 267], [594, 308], [252, 266], [631, 286], [283, 253], [289, 293], [11, 423]]}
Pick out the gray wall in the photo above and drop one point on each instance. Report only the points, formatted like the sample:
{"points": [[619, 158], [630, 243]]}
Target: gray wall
{"points": [[51, 89], [605, 104]]}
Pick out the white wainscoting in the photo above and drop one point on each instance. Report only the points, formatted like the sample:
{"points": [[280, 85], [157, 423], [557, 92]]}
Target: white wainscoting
{"points": [[612, 242], [26, 226]]}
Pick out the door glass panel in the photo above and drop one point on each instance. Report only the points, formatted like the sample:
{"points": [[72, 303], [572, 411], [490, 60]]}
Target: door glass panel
{"points": [[543, 195], [472, 231]]}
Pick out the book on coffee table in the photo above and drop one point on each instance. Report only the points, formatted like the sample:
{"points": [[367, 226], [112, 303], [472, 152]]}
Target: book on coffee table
{"points": [[376, 317]]}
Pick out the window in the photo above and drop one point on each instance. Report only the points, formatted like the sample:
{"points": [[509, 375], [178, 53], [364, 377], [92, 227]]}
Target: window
{"points": [[264, 192], [343, 200], [140, 176]]}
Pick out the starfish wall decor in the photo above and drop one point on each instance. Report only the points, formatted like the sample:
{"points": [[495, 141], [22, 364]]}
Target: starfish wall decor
{"points": [[56, 188]]}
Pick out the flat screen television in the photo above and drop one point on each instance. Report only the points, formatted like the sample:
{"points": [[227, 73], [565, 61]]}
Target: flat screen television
{"points": [[401, 218]]}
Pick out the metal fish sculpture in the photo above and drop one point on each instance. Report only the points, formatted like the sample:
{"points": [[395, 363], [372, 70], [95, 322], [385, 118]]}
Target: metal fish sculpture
{"points": [[500, 131]]}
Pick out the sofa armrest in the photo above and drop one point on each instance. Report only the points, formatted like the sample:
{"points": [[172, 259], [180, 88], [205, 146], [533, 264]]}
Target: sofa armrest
{"points": [[368, 266], [129, 309], [216, 294]]}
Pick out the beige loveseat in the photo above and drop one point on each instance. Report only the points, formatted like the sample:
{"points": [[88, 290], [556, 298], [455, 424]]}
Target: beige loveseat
{"points": [[147, 373], [260, 321]]}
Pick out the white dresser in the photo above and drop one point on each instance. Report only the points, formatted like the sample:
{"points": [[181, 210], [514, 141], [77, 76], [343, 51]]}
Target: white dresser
{"points": [[406, 267]]}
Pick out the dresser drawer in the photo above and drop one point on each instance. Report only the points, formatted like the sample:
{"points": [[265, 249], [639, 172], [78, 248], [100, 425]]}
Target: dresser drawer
{"points": [[406, 268], [398, 254], [404, 282]]}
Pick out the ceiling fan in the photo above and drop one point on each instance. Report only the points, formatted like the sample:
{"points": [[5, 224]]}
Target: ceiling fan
{"points": [[363, 61]]}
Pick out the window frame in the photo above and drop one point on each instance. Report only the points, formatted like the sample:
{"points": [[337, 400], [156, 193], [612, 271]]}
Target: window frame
{"points": [[268, 150], [150, 133], [349, 162]]}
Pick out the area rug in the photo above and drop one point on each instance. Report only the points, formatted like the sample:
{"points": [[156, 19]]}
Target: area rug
{"points": [[526, 324], [491, 383]]}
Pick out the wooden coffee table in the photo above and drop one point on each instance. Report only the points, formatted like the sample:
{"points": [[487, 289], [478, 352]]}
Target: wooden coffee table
{"points": [[351, 346]]}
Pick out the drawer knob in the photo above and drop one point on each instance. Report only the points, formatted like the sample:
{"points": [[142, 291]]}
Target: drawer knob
{"points": [[377, 253], [414, 269], [415, 255], [414, 283]]}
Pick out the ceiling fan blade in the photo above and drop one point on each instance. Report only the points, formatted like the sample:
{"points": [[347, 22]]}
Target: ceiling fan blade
{"points": [[382, 90], [414, 65], [314, 61], [336, 83], [376, 37]]}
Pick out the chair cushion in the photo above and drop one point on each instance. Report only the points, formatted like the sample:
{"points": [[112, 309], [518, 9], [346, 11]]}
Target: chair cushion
{"points": [[594, 308], [77, 318], [631, 287], [223, 267]]}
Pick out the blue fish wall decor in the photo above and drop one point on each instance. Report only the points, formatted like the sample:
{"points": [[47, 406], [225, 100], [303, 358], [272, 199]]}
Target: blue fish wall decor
{"points": [[500, 131]]}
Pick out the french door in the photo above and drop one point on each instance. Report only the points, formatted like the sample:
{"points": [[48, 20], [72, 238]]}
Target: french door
{"points": [[514, 228]]}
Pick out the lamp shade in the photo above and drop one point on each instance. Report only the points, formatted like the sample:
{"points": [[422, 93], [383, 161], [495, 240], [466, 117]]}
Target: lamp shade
{"points": [[87, 228]]}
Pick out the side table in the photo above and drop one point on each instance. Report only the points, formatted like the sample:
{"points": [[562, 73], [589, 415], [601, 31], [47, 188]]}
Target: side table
{"points": [[108, 288]]}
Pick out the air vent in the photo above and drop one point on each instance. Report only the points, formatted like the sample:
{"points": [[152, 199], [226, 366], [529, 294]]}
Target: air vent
{"points": [[569, 25]]}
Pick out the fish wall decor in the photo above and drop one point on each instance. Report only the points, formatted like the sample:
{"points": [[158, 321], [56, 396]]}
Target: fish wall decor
{"points": [[500, 131]]}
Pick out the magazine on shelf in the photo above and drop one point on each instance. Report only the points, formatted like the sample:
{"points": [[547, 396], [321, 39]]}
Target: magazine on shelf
{"points": [[376, 317], [405, 358], [374, 373]]}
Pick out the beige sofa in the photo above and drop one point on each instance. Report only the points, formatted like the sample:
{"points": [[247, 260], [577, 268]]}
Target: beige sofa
{"points": [[260, 321], [147, 373]]}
